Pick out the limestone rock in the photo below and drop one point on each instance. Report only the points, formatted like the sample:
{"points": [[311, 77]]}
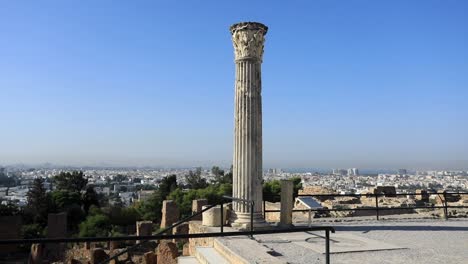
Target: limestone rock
{"points": [[37, 251], [180, 230], [167, 252], [170, 213], [186, 250], [98, 255], [197, 207], [149, 258], [212, 217]]}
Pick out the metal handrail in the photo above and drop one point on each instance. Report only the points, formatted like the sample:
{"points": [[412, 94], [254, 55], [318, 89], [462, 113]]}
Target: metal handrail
{"points": [[327, 230], [377, 208], [170, 228], [160, 232]]}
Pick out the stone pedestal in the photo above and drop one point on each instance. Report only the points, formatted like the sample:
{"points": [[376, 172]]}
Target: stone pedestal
{"points": [[170, 213], [197, 207], [181, 229], [144, 228], [212, 217], [287, 203], [56, 228], [248, 39]]}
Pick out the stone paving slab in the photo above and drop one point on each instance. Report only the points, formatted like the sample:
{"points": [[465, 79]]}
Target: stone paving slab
{"points": [[339, 242]]}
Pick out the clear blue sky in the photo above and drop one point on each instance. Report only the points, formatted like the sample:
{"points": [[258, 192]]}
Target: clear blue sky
{"points": [[345, 83]]}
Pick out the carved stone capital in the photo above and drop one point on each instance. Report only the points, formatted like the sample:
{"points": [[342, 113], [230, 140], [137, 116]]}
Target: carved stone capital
{"points": [[248, 39]]}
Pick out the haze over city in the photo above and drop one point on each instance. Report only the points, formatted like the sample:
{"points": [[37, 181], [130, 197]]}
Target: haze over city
{"points": [[363, 84]]}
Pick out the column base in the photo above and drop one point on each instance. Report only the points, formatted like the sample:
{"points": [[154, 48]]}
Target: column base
{"points": [[242, 221]]}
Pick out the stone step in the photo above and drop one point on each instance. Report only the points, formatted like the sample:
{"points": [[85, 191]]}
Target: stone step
{"points": [[209, 255], [187, 260]]}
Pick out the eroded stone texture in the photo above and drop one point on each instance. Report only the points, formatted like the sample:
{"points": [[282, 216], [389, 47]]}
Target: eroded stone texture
{"points": [[197, 207], [144, 228], [186, 250], [170, 213], [212, 216], [167, 252], [287, 203], [149, 258], [248, 40], [98, 255], [36, 254], [181, 229], [56, 228]]}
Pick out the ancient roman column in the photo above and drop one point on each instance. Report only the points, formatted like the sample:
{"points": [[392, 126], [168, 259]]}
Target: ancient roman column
{"points": [[248, 39]]}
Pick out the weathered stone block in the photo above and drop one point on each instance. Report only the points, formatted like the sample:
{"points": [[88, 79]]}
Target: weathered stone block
{"points": [[212, 217], [186, 250], [170, 213], [197, 207], [98, 255], [57, 225], [287, 203], [144, 228], [149, 258], [36, 254], [181, 230], [167, 252]]}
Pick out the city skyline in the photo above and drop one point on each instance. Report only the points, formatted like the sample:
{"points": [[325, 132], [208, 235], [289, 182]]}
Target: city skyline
{"points": [[133, 85]]}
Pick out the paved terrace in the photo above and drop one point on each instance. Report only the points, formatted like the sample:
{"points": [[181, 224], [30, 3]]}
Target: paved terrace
{"points": [[392, 241]]}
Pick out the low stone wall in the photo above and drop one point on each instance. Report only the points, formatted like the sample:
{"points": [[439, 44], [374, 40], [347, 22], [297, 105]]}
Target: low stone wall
{"points": [[196, 227]]}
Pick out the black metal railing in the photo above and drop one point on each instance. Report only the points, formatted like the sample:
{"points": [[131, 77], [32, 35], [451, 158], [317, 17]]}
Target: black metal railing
{"points": [[161, 232], [443, 196], [327, 230]]}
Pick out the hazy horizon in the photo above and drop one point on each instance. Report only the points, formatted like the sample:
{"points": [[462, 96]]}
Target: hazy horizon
{"points": [[354, 84]]}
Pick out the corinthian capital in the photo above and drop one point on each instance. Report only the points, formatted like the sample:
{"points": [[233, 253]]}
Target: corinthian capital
{"points": [[248, 39]]}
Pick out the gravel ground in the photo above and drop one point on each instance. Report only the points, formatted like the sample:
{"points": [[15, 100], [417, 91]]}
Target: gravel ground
{"points": [[425, 241]]}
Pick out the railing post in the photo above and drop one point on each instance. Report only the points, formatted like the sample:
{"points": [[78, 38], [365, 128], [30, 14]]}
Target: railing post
{"points": [[222, 217], [377, 206], [251, 219], [327, 246], [445, 205], [264, 208], [310, 217]]}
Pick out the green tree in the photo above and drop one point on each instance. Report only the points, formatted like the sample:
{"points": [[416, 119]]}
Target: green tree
{"points": [[74, 181], [167, 185], [70, 203], [32, 231], [213, 193], [95, 226], [9, 209], [195, 180], [90, 197], [272, 189], [38, 204], [218, 174], [151, 208], [123, 216]]}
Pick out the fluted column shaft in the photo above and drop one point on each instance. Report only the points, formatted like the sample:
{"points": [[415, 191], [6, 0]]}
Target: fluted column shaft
{"points": [[248, 40], [247, 166]]}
